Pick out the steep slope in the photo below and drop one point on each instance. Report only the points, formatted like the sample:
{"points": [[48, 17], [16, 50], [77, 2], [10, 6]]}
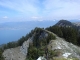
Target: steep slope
{"points": [[65, 49]]}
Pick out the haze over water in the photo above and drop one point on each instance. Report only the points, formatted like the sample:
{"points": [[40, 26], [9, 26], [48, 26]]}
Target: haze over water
{"points": [[13, 31]]}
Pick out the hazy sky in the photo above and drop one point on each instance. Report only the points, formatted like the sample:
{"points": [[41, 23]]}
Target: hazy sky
{"points": [[23, 10]]}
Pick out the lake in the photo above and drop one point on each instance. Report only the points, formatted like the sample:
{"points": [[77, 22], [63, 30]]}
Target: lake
{"points": [[12, 31]]}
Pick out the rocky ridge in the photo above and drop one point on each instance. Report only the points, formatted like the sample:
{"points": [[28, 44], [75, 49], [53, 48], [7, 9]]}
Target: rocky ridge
{"points": [[66, 49]]}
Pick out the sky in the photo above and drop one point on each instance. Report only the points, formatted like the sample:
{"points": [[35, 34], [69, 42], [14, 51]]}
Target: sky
{"points": [[39, 10]]}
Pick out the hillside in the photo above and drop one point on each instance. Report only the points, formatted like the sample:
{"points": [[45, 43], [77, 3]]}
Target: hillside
{"points": [[57, 48]]}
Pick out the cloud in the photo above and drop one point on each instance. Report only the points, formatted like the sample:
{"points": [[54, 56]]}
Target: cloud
{"points": [[23, 6], [35, 17], [62, 9], [48, 9], [5, 17]]}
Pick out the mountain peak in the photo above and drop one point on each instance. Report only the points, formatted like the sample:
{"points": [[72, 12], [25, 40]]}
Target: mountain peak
{"points": [[64, 23]]}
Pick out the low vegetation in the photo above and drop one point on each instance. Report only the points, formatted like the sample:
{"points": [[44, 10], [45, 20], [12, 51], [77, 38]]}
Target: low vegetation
{"points": [[1, 56]]}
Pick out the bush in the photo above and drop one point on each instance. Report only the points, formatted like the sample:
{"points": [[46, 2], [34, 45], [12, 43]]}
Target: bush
{"points": [[1, 56]]}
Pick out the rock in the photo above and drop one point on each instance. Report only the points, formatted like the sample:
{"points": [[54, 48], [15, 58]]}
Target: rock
{"points": [[67, 49], [41, 58], [18, 53], [24, 47], [66, 55], [13, 54]]}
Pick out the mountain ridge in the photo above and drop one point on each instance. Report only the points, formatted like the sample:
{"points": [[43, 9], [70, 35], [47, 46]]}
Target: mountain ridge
{"points": [[43, 42], [65, 55]]}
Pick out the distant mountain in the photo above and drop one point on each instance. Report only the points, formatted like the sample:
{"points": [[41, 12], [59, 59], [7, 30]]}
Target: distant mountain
{"points": [[65, 23], [25, 25], [77, 25], [68, 30], [12, 31]]}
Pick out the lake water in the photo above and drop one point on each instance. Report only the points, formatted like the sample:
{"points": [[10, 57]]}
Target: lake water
{"points": [[14, 31]]}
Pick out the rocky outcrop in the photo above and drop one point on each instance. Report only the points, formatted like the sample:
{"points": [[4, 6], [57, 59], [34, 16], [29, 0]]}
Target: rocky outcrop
{"points": [[25, 46], [66, 49], [41, 58], [14, 54], [18, 53]]}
